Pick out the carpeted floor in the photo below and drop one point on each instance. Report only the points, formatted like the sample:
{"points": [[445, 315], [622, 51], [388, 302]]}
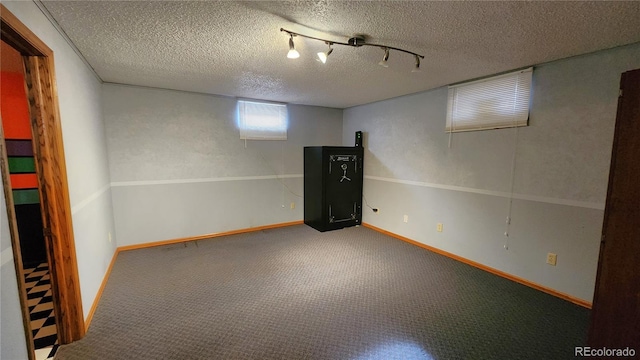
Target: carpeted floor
{"points": [[295, 293]]}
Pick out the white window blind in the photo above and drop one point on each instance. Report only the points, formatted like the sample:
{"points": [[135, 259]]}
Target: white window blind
{"points": [[497, 102], [262, 121]]}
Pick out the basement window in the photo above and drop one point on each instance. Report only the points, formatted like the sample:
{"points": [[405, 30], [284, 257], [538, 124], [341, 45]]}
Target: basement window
{"points": [[493, 103], [262, 120]]}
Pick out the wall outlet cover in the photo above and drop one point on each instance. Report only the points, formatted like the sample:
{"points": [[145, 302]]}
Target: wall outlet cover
{"points": [[552, 259]]}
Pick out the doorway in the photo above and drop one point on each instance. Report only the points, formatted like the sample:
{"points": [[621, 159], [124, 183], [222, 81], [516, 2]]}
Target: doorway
{"points": [[23, 184], [45, 187]]}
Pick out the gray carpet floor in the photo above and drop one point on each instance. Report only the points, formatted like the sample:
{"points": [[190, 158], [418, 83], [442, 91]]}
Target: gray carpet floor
{"points": [[295, 293]]}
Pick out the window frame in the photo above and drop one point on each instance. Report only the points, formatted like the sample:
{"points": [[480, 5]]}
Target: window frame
{"points": [[478, 89], [253, 132]]}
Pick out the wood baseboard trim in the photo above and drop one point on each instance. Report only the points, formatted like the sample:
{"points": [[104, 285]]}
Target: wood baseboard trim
{"points": [[503, 274], [208, 236], [96, 300]]}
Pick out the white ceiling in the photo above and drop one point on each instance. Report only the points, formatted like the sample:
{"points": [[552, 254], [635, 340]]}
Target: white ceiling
{"points": [[236, 48]]}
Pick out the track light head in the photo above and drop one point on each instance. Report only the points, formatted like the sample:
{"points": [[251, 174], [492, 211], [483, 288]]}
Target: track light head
{"points": [[383, 63], [322, 56], [417, 68], [355, 41], [293, 53]]}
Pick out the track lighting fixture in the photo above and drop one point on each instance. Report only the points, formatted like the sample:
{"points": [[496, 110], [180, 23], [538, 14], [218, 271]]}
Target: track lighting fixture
{"points": [[293, 53], [322, 56], [417, 68], [355, 41], [383, 63]]}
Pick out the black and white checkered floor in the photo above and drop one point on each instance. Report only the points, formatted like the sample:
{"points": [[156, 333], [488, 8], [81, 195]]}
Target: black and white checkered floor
{"points": [[39, 300]]}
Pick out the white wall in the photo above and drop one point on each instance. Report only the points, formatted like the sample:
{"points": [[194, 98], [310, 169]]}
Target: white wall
{"points": [[561, 173], [13, 344], [179, 169], [79, 95]]}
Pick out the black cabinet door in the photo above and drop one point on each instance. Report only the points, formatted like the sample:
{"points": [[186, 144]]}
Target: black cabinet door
{"points": [[332, 186], [342, 187]]}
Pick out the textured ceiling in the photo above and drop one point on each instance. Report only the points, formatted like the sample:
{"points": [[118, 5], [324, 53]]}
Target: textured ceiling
{"points": [[236, 48]]}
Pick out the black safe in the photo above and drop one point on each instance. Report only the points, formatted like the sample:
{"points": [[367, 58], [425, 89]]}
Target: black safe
{"points": [[332, 187]]}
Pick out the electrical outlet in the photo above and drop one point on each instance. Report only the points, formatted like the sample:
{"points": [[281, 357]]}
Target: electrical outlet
{"points": [[552, 259], [109, 236], [406, 218], [293, 205], [439, 227]]}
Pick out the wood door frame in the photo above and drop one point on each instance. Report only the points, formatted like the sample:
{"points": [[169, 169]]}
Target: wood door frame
{"points": [[613, 319], [40, 85]]}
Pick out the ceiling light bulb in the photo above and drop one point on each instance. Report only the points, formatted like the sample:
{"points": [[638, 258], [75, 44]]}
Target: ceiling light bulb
{"points": [[383, 63], [322, 56], [293, 53], [417, 68]]}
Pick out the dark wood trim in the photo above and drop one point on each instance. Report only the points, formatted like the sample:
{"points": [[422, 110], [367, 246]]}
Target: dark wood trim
{"points": [[56, 209], [503, 274], [208, 236], [19, 37], [15, 245], [615, 317], [52, 175]]}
